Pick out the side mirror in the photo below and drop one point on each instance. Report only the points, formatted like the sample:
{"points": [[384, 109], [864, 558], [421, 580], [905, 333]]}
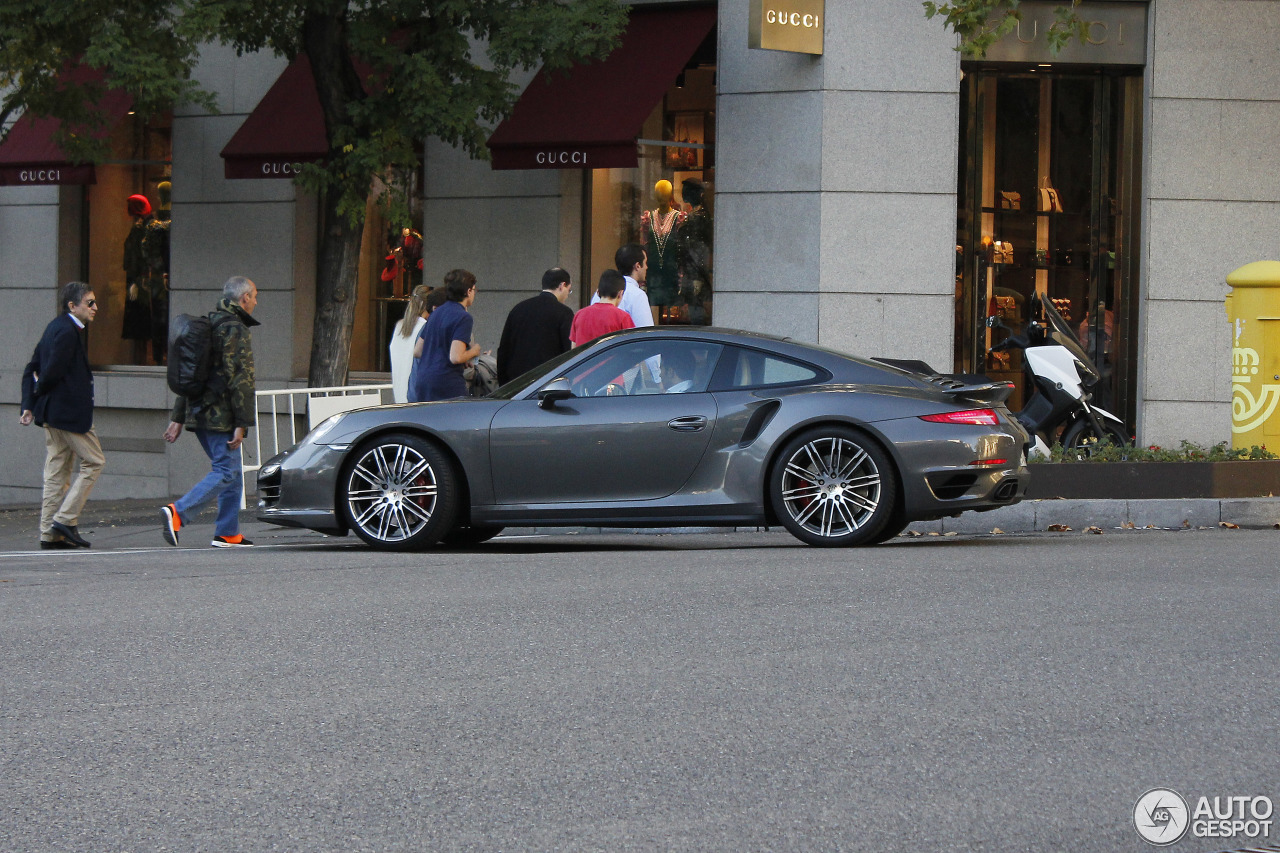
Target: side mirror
{"points": [[556, 389]]}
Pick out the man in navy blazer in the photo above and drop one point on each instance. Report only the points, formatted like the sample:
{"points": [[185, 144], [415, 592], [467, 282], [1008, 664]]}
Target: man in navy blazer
{"points": [[537, 329], [57, 394]]}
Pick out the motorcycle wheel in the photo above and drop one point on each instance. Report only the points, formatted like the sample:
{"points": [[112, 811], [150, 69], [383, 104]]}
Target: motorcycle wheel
{"points": [[1082, 439]]}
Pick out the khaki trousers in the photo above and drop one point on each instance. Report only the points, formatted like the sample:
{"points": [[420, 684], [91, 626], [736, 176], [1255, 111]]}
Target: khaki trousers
{"points": [[63, 499]]}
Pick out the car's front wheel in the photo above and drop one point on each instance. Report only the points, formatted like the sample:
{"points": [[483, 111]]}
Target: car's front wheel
{"points": [[834, 486], [399, 493]]}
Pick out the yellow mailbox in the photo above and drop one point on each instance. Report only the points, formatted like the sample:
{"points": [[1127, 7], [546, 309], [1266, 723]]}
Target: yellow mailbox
{"points": [[1253, 309]]}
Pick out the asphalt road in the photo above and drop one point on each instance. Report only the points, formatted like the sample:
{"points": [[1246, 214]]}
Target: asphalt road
{"points": [[679, 692]]}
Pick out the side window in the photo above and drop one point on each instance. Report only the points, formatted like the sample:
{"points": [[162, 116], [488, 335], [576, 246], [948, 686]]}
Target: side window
{"points": [[745, 368], [646, 367]]}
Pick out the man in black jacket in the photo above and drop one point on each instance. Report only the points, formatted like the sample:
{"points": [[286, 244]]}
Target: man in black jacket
{"points": [[537, 329], [57, 394]]}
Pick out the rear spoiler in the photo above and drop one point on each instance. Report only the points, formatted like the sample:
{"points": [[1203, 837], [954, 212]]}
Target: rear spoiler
{"points": [[975, 387]]}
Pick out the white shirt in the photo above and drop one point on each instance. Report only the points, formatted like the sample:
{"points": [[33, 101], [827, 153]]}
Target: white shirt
{"points": [[634, 301], [402, 360]]}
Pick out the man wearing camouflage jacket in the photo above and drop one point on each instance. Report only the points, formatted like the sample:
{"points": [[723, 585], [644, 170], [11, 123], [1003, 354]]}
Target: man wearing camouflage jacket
{"points": [[220, 417]]}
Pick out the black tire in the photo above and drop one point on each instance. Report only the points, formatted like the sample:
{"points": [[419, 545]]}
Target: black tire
{"points": [[1083, 439], [467, 536], [399, 492], [833, 486]]}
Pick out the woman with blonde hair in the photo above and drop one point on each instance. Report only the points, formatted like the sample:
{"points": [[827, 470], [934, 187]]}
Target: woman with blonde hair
{"points": [[404, 337]]}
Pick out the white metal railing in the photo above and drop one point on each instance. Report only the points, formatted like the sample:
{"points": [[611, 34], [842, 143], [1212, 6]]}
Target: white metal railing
{"points": [[315, 404]]}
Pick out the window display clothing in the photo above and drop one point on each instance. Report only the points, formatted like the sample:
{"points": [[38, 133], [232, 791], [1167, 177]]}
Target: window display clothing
{"points": [[695, 264], [658, 233], [434, 376], [598, 319], [137, 274]]}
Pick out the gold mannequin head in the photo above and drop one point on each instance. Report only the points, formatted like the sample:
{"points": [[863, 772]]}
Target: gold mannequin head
{"points": [[662, 189]]}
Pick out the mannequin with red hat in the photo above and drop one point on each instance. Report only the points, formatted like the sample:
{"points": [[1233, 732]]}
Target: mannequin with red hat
{"points": [[137, 306]]}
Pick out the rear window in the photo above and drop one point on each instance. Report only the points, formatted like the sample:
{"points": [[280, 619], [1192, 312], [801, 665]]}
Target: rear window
{"points": [[746, 368]]}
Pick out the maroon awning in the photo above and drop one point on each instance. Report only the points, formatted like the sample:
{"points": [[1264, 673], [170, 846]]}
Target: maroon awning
{"points": [[590, 116], [29, 155], [285, 130]]}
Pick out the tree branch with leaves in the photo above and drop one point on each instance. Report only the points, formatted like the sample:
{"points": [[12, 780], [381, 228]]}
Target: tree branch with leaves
{"points": [[390, 74], [982, 23]]}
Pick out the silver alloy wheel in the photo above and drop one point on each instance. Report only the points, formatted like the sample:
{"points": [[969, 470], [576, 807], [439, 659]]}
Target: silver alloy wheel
{"points": [[831, 486], [392, 492]]}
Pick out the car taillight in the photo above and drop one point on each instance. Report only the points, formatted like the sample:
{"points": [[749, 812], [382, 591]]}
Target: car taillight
{"points": [[973, 417]]}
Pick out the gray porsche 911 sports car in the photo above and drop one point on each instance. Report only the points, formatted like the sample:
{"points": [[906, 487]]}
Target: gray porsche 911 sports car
{"points": [[659, 427]]}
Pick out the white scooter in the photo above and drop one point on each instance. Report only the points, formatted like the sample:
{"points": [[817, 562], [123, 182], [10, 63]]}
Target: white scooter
{"points": [[1062, 376]]}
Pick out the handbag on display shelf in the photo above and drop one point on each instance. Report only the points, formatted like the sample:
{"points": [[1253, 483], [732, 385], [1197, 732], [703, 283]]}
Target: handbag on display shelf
{"points": [[1010, 200], [1001, 252], [1049, 202]]}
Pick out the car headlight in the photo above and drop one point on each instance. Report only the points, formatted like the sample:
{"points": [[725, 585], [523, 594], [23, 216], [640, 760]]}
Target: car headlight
{"points": [[316, 436]]}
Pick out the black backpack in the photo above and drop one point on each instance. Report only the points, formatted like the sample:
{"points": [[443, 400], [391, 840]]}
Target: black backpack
{"points": [[191, 353]]}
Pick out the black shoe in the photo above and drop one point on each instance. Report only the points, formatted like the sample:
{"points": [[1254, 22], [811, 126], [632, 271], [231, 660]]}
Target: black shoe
{"points": [[224, 542], [70, 534], [56, 545]]}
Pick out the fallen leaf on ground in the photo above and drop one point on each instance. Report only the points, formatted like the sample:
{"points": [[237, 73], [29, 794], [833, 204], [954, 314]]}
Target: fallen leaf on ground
{"points": [[1057, 528], [1185, 524], [1093, 529], [951, 533], [1228, 525], [996, 530], [1128, 525]]}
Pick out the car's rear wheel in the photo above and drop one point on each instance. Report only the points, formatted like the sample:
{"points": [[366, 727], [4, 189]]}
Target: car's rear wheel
{"points": [[834, 486], [399, 493]]}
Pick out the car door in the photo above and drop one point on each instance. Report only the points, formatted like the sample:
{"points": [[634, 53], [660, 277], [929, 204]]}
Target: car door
{"points": [[634, 431]]}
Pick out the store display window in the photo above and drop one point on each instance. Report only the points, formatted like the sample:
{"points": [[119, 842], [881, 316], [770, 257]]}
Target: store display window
{"points": [[1049, 190], [124, 245], [665, 204]]}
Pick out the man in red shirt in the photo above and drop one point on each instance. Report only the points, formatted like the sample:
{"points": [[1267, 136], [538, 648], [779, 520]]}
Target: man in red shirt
{"points": [[605, 316]]}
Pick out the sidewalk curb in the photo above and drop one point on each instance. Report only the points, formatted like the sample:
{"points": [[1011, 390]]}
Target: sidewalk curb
{"points": [[123, 518]]}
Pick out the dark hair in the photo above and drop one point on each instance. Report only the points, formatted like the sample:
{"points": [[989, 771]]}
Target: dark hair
{"points": [[457, 283], [72, 293], [691, 191], [436, 298], [611, 284], [680, 361], [554, 277], [626, 258]]}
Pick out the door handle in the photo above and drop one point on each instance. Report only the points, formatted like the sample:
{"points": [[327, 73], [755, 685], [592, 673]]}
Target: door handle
{"points": [[690, 423]]}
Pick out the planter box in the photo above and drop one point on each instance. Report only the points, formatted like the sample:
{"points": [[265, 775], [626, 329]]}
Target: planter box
{"points": [[1144, 480]]}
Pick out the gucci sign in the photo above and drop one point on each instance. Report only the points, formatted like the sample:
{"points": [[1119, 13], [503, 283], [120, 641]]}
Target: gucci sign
{"points": [[561, 158], [40, 176], [270, 170], [1115, 34], [790, 25]]}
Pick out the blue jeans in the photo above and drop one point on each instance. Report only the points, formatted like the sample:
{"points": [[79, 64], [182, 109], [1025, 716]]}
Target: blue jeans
{"points": [[222, 482]]}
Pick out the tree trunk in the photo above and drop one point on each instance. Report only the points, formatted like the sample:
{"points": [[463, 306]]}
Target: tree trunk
{"points": [[336, 279], [324, 36]]}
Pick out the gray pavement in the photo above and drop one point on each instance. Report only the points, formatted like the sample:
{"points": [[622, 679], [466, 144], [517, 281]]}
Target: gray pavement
{"points": [[135, 523], [735, 692]]}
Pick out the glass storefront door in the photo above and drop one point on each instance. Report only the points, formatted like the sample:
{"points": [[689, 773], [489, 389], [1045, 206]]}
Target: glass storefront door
{"points": [[1048, 204]]}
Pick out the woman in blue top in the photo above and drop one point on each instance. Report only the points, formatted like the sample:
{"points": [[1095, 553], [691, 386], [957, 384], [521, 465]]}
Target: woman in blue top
{"points": [[444, 345]]}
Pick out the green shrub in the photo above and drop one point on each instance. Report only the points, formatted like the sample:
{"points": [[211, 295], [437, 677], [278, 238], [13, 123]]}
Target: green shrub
{"points": [[1185, 452]]}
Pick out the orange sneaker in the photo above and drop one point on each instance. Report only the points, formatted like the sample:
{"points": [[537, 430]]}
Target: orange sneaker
{"points": [[172, 523]]}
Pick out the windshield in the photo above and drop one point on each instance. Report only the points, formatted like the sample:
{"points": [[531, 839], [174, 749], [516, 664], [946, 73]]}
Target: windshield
{"points": [[524, 380], [1061, 333]]}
